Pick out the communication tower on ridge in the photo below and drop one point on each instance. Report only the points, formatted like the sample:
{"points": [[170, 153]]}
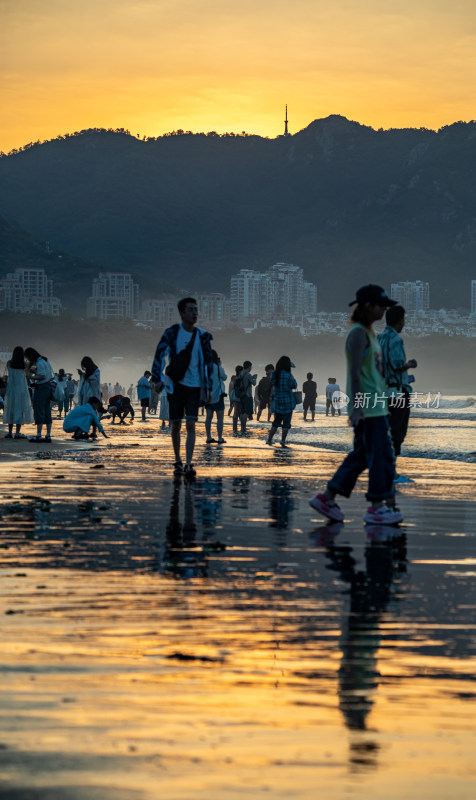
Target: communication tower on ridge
{"points": [[286, 131]]}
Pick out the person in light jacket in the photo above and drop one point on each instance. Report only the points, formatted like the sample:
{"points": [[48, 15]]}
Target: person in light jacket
{"points": [[79, 420], [143, 393], [41, 375], [217, 402], [89, 381]]}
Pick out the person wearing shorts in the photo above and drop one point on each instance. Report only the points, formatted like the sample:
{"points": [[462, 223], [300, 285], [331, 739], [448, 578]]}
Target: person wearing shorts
{"points": [[184, 395], [143, 393], [309, 389]]}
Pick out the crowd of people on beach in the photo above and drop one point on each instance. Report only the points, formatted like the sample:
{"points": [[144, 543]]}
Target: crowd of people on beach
{"points": [[187, 376]]}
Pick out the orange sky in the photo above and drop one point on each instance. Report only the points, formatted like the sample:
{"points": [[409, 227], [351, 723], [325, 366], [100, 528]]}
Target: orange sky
{"points": [[158, 65]]}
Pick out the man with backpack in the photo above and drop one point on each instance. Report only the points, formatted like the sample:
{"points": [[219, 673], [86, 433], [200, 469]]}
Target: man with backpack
{"points": [[187, 377], [244, 397]]}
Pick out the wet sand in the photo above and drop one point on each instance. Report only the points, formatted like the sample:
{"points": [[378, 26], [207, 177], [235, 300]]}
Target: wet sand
{"points": [[217, 639]]}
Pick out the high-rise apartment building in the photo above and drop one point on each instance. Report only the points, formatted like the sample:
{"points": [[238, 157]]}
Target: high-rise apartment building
{"points": [[114, 296], [412, 295], [289, 282], [29, 290], [213, 309], [309, 299], [279, 293], [249, 294], [160, 313]]}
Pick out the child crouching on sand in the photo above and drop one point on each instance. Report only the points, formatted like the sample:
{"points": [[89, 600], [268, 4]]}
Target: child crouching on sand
{"points": [[79, 420], [120, 406]]}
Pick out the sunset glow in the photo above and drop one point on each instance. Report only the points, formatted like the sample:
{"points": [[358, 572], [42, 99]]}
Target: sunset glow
{"points": [[153, 66]]}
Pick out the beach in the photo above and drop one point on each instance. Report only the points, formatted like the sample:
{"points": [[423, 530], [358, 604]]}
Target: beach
{"points": [[217, 638]]}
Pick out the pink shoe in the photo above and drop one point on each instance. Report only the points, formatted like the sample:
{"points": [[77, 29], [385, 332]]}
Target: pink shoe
{"points": [[330, 510], [383, 516]]}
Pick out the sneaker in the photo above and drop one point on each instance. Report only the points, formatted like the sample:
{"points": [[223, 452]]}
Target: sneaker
{"points": [[178, 468], [221, 441], [211, 441], [18, 436], [403, 479], [8, 436], [47, 439], [324, 506], [383, 516], [189, 471]]}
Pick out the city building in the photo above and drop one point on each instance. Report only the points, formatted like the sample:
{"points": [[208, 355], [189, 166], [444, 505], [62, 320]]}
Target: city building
{"points": [[29, 290], [159, 313], [114, 296], [246, 292], [412, 295], [473, 298], [213, 309], [280, 293], [309, 299]]}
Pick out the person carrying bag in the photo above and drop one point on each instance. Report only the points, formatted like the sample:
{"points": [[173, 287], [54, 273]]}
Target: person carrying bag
{"points": [[179, 364]]}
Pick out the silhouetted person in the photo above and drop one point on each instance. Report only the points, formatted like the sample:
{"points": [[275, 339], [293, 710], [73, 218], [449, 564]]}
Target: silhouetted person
{"points": [[309, 390], [186, 378], [264, 390], [243, 391], [284, 384], [395, 367]]}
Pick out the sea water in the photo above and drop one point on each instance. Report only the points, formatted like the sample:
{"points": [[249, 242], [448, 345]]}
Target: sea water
{"points": [[447, 431], [217, 639]]}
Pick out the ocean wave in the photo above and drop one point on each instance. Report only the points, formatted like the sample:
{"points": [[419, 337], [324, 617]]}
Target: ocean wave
{"points": [[457, 402], [413, 452]]}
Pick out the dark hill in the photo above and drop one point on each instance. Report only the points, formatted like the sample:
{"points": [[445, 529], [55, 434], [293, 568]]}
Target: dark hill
{"points": [[72, 276], [346, 202]]}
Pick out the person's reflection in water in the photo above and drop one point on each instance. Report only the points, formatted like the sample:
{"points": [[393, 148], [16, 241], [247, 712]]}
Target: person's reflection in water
{"points": [[182, 557], [281, 503], [208, 499], [370, 592], [240, 489]]}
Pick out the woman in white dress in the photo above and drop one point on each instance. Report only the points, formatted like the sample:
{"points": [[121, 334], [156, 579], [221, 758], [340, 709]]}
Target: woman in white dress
{"points": [[18, 410], [164, 408]]}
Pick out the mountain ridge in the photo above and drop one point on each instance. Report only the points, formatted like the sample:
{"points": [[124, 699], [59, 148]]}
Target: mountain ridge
{"points": [[338, 198]]}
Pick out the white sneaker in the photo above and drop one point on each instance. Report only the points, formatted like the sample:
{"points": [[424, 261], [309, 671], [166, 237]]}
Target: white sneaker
{"points": [[383, 516]]}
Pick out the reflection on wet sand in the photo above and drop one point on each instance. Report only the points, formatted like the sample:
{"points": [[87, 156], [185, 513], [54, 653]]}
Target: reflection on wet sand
{"points": [[205, 639]]}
